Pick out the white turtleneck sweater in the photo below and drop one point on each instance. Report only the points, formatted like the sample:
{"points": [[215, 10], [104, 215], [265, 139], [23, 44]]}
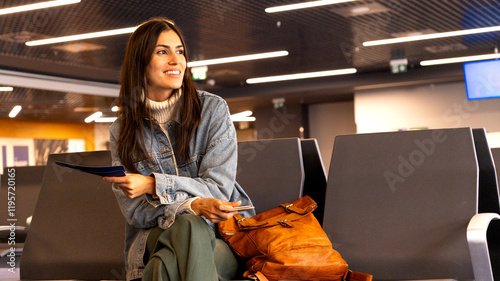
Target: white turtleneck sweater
{"points": [[163, 111]]}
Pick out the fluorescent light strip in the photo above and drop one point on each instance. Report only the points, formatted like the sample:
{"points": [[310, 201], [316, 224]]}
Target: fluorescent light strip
{"points": [[105, 119], [245, 113], [301, 76], [431, 36], [243, 119], [238, 58], [13, 113], [37, 6], [459, 59], [6, 89], [93, 117], [304, 5], [243, 116], [81, 36]]}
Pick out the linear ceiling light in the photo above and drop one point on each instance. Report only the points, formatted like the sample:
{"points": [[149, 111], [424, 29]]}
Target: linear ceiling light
{"points": [[37, 6], [106, 119], [6, 89], [15, 110], [304, 5], [81, 36], [301, 75], [238, 58], [93, 117], [459, 59], [431, 36], [243, 116]]}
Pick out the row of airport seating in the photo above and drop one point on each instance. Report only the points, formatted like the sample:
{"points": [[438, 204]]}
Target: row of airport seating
{"points": [[402, 205], [77, 230]]}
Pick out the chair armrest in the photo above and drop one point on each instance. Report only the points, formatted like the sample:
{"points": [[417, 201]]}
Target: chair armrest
{"points": [[8, 233], [478, 245]]}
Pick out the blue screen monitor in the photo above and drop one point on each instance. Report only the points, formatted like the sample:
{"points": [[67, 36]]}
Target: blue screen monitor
{"points": [[482, 79]]}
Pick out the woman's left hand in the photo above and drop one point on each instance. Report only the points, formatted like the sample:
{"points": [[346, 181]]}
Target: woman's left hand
{"points": [[215, 210], [134, 185]]}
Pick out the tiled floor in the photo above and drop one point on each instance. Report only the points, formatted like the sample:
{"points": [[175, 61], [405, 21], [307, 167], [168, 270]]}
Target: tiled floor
{"points": [[6, 275], [6, 272]]}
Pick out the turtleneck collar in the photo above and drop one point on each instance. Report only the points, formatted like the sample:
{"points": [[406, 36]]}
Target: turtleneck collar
{"points": [[164, 111]]}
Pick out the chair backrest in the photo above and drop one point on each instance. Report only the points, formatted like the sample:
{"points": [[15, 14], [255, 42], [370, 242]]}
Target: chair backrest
{"points": [[315, 176], [21, 186], [488, 200], [398, 204], [271, 171], [77, 230], [495, 152]]}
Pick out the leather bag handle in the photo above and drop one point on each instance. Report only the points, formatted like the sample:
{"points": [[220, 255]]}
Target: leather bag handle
{"points": [[285, 219]]}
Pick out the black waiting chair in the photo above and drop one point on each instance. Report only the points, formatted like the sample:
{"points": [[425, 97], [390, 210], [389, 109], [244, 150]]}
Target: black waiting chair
{"points": [[271, 171], [77, 231], [19, 190], [488, 194], [496, 161], [404, 205], [315, 175]]}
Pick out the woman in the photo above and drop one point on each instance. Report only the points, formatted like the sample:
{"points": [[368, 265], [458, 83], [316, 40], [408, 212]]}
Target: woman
{"points": [[179, 148]]}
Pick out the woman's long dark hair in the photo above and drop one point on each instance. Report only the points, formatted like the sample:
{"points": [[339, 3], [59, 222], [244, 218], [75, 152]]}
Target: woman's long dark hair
{"points": [[141, 45]]}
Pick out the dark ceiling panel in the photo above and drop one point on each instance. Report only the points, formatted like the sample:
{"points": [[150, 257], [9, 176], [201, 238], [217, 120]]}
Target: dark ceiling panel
{"points": [[317, 39]]}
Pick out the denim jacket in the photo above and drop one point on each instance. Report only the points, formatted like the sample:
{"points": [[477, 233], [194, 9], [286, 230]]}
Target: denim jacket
{"points": [[209, 172]]}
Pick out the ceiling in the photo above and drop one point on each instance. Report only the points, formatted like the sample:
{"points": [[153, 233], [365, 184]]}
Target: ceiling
{"points": [[317, 39]]}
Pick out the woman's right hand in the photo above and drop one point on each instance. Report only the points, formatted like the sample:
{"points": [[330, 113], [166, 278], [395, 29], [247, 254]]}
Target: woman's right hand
{"points": [[134, 185], [215, 210]]}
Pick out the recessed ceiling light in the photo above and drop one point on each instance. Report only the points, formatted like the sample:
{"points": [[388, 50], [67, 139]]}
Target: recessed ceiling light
{"points": [[79, 47], [301, 75], [238, 58], [413, 33], [85, 109], [359, 10], [304, 5], [21, 36], [6, 89], [37, 6], [431, 36], [459, 59], [446, 48]]}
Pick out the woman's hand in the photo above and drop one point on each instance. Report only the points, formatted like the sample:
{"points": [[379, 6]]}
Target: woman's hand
{"points": [[134, 185], [214, 210]]}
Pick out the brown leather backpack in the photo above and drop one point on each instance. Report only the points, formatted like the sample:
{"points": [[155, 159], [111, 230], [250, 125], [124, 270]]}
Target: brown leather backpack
{"points": [[287, 243]]}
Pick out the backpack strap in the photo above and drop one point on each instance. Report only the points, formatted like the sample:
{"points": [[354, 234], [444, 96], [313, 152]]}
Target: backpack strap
{"points": [[259, 276], [357, 276]]}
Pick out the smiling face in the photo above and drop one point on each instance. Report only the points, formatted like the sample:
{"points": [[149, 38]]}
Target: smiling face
{"points": [[166, 69]]}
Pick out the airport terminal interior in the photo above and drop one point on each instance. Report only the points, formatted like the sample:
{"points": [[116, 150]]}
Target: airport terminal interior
{"points": [[385, 112]]}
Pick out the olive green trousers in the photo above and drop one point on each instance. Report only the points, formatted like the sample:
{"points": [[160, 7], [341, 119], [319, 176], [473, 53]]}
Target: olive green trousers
{"points": [[188, 251]]}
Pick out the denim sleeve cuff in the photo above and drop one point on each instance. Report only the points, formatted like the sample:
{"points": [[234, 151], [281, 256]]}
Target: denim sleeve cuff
{"points": [[163, 183], [187, 206], [174, 210]]}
